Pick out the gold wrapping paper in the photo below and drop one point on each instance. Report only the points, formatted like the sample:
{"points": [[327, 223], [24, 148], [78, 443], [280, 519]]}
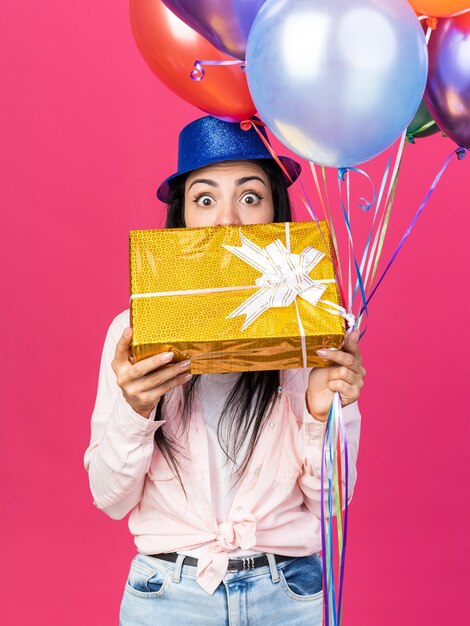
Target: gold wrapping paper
{"points": [[195, 326]]}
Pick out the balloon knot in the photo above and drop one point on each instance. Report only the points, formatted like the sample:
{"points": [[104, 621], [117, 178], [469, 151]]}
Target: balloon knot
{"points": [[198, 72], [461, 153], [342, 172], [432, 22], [254, 121], [410, 138]]}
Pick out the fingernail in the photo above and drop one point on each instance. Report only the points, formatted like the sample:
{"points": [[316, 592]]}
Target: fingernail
{"points": [[187, 377], [128, 333], [323, 352], [185, 364], [167, 356]]}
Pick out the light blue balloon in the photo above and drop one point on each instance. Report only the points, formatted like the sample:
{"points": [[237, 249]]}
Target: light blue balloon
{"points": [[337, 81]]}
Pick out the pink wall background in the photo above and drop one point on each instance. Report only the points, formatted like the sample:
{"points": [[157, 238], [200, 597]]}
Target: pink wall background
{"points": [[87, 132]]}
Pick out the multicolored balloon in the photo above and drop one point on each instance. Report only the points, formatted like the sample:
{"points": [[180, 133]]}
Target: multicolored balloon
{"points": [[171, 47], [439, 8], [423, 124], [448, 88], [225, 23], [338, 81]]}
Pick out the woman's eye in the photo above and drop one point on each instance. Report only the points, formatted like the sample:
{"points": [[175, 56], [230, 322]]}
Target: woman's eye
{"points": [[251, 198], [204, 200]]}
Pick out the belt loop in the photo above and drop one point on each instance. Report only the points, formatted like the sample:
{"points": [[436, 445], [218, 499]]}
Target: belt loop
{"points": [[176, 578], [273, 567]]}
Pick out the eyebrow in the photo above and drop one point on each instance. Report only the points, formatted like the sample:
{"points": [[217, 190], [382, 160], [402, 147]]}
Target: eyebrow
{"points": [[238, 183], [245, 179], [205, 181]]}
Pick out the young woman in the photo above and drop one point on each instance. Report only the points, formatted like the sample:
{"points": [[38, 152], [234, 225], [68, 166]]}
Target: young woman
{"points": [[220, 473]]}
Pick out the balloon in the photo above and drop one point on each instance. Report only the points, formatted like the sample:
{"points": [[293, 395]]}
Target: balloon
{"points": [[338, 81], [225, 23], [448, 87], [170, 48], [439, 8], [421, 119]]}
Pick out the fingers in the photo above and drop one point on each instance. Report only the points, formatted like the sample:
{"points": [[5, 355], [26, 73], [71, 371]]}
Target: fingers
{"points": [[345, 359], [149, 397], [349, 393], [143, 402], [343, 373], [351, 344], [162, 375], [144, 367], [122, 348], [347, 375], [145, 382]]}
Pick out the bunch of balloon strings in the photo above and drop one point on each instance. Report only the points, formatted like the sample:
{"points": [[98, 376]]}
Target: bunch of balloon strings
{"points": [[361, 284]]}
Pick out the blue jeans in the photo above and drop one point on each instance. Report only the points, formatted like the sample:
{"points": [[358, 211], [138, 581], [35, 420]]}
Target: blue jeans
{"points": [[160, 593]]}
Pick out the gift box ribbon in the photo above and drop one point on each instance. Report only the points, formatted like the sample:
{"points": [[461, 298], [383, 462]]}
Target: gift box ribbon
{"points": [[284, 277]]}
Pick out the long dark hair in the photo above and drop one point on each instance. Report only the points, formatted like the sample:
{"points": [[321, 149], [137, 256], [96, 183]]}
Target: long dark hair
{"points": [[251, 401]]}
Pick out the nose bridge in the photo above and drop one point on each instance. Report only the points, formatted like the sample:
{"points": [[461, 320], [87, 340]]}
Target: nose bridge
{"points": [[228, 210]]}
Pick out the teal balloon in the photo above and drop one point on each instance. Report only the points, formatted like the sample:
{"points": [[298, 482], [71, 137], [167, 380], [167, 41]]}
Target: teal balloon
{"points": [[337, 81], [423, 124]]}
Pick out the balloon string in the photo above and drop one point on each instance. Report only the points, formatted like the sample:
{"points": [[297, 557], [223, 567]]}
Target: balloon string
{"points": [[332, 480], [251, 123], [339, 500], [330, 516], [365, 206], [350, 295], [311, 211], [346, 509], [199, 72], [336, 260], [369, 237], [329, 219], [331, 253], [461, 153], [324, 531], [254, 123], [383, 224], [317, 185], [342, 174], [338, 490], [411, 136]]}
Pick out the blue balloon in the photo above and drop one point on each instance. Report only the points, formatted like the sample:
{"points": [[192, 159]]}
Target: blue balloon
{"points": [[337, 81]]}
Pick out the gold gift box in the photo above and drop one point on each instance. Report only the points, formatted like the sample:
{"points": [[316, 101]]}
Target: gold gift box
{"points": [[178, 279]]}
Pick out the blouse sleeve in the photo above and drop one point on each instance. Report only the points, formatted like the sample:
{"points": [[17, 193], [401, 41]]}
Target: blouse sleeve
{"points": [[122, 441]]}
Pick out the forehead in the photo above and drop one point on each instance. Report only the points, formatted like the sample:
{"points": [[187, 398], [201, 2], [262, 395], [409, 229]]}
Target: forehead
{"points": [[229, 169]]}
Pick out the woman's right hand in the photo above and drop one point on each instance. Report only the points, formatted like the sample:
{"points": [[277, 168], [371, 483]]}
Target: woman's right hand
{"points": [[145, 382]]}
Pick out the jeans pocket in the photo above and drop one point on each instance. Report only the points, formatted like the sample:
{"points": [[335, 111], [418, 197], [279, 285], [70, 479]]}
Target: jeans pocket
{"points": [[301, 579], [145, 581]]}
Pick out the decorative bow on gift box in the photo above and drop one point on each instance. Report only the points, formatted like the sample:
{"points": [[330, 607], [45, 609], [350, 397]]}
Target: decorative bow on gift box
{"points": [[285, 276]]}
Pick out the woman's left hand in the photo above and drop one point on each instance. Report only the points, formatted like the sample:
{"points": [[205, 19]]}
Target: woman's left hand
{"points": [[346, 376]]}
